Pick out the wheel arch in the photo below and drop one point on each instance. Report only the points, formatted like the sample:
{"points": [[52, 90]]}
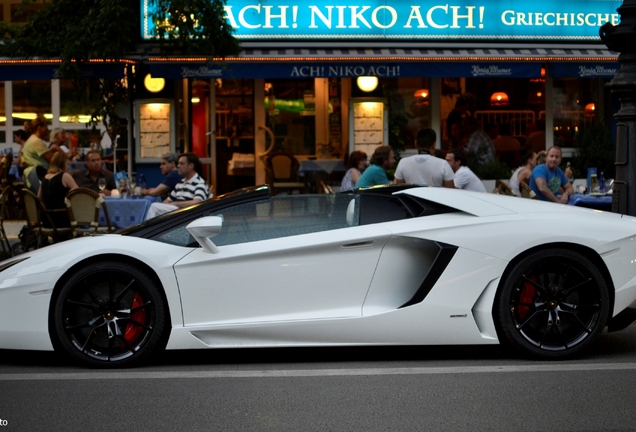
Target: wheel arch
{"points": [[107, 257], [589, 253]]}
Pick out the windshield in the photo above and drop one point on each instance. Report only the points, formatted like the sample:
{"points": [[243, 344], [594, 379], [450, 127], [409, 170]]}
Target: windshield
{"points": [[275, 217]]}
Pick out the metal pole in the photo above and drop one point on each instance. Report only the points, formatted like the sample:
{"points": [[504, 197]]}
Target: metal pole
{"points": [[620, 38]]}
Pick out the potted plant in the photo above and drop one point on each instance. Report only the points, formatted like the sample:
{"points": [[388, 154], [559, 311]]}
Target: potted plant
{"points": [[594, 148]]}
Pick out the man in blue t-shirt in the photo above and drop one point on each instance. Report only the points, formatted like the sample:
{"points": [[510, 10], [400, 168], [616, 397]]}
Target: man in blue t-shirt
{"points": [[172, 177], [547, 180]]}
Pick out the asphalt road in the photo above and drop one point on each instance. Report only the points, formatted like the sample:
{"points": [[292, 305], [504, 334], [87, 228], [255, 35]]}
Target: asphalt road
{"points": [[335, 389]]}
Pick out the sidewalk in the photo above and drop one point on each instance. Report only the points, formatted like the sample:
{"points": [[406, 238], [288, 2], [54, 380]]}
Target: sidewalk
{"points": [[12, 228]]}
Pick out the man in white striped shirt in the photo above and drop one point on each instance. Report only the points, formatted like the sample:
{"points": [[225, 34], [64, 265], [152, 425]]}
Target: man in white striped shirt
{"points": [[190, 190]]}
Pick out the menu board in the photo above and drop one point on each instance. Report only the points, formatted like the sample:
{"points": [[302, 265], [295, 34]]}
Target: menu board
{"points": [[154, 129], [368, 125]]}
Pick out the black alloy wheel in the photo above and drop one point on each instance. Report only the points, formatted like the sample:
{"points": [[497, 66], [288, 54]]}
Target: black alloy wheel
{"points": [[553, 304], [109, 315]]}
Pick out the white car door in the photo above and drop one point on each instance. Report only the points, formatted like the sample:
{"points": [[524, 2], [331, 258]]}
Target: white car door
{"points": [[308, 276]]}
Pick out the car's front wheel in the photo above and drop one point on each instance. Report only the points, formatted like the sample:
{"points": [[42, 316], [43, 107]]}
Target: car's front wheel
{"points": [[109, 314], [552, 304]]}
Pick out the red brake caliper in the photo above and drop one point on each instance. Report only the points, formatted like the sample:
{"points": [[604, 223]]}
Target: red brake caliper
{"points": [[133, 330], [526, 296]]}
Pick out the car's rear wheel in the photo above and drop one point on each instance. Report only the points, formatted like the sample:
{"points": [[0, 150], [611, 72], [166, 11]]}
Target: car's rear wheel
{"points": [[552, 304], [109, 314]]}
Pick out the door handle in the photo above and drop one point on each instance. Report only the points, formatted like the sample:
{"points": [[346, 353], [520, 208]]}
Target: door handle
{"points": [[357, 245]]}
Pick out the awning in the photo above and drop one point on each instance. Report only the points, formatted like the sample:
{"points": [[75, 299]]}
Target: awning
{"points": [[584, 70], [15, 70], [431, 54], [317, 69], [272, 63]]}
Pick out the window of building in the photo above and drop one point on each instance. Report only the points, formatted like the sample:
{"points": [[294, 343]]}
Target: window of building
{"points": [[234, 106], [3, 111], [578, 102], [76, 106], [31, 98], [22, 12], [290, 114]]}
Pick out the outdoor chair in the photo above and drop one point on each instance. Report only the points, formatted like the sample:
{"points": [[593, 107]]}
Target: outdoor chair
{"points": [[5, 197], [39, 222], [83, 206], [326, 189], [281, 171], [502, 188], [5, 167], [526, 191]]}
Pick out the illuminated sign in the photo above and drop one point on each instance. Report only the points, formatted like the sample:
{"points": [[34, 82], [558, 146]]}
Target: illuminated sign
{"points": [[545, 20]]}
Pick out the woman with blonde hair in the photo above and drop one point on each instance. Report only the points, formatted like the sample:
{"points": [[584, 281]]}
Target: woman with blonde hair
{"points": [[54, 187], [541, 156]]}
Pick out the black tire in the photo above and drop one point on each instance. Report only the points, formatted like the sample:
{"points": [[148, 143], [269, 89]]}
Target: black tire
{"points": [[552, 304], [109, 315], [17, 249]]}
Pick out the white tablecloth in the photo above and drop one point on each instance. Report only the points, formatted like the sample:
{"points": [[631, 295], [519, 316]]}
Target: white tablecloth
{"points": [[598, 202], [317, 165], [125, 212]]}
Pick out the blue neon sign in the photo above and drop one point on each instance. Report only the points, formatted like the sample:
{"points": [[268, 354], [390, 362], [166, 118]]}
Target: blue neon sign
{"points": [[495, 20]]}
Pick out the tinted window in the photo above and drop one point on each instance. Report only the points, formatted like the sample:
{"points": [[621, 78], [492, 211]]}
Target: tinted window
{"points": [[377, 208], [279, 216], [381, 208]]}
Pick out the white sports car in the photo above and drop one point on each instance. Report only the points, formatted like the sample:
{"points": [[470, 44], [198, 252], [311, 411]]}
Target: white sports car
{"points": [[378, 266]]}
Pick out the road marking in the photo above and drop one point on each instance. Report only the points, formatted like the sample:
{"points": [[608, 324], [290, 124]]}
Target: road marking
{"points": [[128, 375]]}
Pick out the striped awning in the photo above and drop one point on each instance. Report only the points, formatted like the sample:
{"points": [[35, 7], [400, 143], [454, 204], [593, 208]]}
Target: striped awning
{"points": [[427, 54], [45, 69]]}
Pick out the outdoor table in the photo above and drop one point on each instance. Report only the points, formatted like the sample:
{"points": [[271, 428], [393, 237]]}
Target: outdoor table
{"points": [[597, 202], [316, 170], [320, 165], [74, 166], [124, 212]]}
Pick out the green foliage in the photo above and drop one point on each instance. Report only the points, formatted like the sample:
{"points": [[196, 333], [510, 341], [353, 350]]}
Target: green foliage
{"points": [[595, 148], [397, 126], [78, 31], [75, 31], [492, 170], [194, 27]]}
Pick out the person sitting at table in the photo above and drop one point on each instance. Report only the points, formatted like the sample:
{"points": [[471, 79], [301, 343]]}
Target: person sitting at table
{"points": [[541, 156], [172, 177], [382, 159], [58, 136], [425, 168], [465, 178], [54, 187], [523, 173], [190, 190], [357, 164], [36, 155], [89, 177], [19, 137], [548, 180]]}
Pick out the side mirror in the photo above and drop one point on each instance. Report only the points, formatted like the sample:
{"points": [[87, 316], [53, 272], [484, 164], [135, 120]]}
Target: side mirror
{"points": [[204, 228]]}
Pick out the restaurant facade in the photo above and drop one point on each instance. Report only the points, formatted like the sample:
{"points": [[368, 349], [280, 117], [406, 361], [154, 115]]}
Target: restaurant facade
{"points": [[322, 79]]}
